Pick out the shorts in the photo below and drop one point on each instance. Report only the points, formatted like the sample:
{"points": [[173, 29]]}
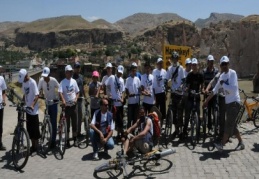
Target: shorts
{"points": [[32, 124], [230, 123], [140, 145]]}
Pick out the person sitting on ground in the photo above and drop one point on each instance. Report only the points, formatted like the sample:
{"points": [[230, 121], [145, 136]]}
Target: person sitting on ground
{"points": [[102, 127], [143, 142]]}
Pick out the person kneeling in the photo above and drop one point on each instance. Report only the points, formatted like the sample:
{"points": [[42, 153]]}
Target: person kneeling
{"points": [[102, 127], [143, 141]]}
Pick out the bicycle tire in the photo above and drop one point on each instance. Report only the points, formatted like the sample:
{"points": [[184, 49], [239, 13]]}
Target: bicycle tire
{"points": [[168, 126], [216, 125], [87, 127], [46, 136], [62, 137], [204, 124], [160, 165], [105, 167], [17, 145], [194, 129], [255, 115]]}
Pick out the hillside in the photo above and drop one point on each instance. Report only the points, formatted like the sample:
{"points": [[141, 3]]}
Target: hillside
{"points": [[217, 17], [56, 24], [251, 18], [141, 22], [10, 25], [102, 24]]}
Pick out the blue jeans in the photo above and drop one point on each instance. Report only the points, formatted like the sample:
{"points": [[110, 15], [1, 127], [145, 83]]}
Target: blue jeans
{"points": [[95, 139], [53, 112]]}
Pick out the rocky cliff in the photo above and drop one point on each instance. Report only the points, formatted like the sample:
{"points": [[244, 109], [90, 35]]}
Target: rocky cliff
{"points": [[42, 41]]}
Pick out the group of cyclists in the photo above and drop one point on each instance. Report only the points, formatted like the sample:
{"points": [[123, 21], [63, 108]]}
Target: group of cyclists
{"points": [[151, 88]]}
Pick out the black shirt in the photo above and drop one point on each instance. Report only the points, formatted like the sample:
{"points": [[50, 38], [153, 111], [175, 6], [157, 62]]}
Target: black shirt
{"points": [[194, 81], [80, 83], [209, 75]]}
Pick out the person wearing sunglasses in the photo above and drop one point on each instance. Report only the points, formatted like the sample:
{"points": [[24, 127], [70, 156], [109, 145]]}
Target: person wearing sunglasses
{"points": [[102, 127], [48, 87], [229, 82]]}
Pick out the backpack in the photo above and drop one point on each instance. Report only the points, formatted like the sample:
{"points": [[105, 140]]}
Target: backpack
{"points": [[156, 127]]}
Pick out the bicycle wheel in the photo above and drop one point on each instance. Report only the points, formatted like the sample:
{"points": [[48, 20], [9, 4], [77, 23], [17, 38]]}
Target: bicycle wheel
{"points": [[108, 170], [160, 165], [85, 142], [256, 118], [168, 126], [62, 137], [46, 136], [204, 124], [194, 129], [216, 124], [20, 148]]}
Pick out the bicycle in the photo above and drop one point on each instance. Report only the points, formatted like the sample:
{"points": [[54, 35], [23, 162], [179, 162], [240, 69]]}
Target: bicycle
{"points": [[151, 161], [62, 132], [21, 143], [46, 128], [194, 119], [251, 108], [87, 119]]}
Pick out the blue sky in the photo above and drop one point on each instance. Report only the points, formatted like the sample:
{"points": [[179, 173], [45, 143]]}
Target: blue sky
{"points": [[113, 10]]}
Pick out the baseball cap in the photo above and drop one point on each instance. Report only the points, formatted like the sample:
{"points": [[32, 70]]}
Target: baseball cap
{"points": [[45, 72], [188, 61], [210, 57], [159, 60], [68, 68], [95, 73], [22, 74], [194, 61], [120, 69], [134, 64], [224, 59], [77, 65], [108, 65]]}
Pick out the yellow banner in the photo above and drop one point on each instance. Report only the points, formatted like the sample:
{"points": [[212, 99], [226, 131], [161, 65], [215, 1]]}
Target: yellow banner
{"points": [[183, 51]]}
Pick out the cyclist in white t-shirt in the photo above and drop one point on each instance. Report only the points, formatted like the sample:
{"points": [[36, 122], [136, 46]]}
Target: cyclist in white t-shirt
{"points": [[48, 87], [159, 87], [31, 94], [69, 93], [116, 84], [2, 100], [132, 88], [147, 85]]}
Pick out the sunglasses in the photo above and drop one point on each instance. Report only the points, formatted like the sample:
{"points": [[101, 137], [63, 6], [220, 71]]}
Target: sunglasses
{"points": [[224, 64]]}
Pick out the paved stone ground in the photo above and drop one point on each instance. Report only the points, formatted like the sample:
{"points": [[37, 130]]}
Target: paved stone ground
{"points": [[187, 162]]}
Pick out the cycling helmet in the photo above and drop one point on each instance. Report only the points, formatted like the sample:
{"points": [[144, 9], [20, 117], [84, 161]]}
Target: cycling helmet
{"points": [[175, 55]]}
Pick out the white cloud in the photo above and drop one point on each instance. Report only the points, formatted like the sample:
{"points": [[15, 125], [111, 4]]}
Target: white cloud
{"points": [[92, 18]]}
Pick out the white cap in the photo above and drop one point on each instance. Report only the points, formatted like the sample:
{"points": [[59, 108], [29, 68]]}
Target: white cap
{"points": [[120, 69], [22, 74], [159, 60], [224, 59], [134, 64], [210, 57], [194, 61], [108, 65], [68, 68], [45, 72], [188, 61]]}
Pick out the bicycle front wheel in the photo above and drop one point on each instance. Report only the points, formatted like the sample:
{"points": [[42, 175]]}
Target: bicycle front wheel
{"points": [[194, 129], [46, 136], [20, 148], [160, 165], [168, 125], [256, 118], [108, 170], [62, 134]]}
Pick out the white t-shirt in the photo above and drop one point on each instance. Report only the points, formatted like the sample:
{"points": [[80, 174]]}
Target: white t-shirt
{"points": [[69, 89], [103, 119], [159, 80], [147, 83], [30, 90], [133, 86], [49, 88], [117, 88], [230, 86], [176, 82], [2, 88], [104, 82]]}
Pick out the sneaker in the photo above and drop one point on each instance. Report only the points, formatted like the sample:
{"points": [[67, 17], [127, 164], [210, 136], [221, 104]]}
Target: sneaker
{"points": [[95, 156], [219, 146], [2, 147], [240, 146]]}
